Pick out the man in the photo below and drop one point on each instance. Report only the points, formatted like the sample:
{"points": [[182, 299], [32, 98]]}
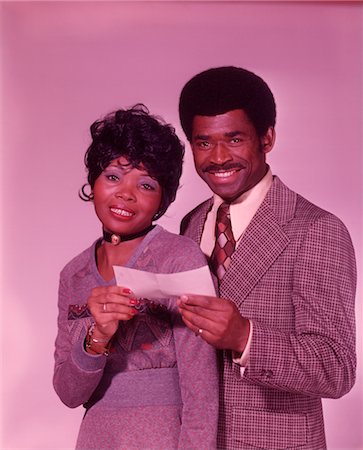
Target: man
{"points": [[286, 271]]}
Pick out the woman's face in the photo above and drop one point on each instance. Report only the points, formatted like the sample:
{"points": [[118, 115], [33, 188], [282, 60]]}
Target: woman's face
{"points": [[125, 198]]}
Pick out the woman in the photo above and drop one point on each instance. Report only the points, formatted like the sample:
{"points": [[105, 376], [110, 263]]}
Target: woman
{"points": [[146, 381]]}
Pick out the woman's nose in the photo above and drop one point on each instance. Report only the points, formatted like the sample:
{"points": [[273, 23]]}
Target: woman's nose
{"points": [[125, 191]]}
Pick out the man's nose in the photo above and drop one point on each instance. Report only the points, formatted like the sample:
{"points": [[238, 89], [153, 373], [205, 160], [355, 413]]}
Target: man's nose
{"points": [[220, 153]]}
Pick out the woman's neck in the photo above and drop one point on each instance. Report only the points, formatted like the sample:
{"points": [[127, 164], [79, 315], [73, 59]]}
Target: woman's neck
{"points": [[109, 255]]}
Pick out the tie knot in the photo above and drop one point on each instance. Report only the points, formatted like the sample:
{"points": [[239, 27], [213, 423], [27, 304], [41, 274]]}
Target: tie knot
{"points": [[223, 212]]}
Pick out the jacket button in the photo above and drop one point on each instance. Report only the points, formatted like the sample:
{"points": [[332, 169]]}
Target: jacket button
{"points": [[266, 373]]}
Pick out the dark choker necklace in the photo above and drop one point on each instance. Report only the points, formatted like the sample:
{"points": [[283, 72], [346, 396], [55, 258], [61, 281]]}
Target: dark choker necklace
{"points": [[115, 238]]}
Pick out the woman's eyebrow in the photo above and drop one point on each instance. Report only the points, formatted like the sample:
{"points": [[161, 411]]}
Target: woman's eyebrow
{"points": [[120, 166]]}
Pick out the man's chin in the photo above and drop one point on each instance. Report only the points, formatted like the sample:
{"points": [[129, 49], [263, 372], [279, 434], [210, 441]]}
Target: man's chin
{"points": [[227, 193]]}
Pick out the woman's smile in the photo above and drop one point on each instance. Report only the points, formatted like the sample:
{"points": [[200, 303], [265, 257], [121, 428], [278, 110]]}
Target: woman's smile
{"points": [[121, 212]]}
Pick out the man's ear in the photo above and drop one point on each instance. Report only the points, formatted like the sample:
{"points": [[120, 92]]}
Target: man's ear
{"points": [[268, 140]]}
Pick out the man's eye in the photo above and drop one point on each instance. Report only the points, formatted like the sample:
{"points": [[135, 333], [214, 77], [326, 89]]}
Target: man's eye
{"points": [[203, 144], [236, 140]]}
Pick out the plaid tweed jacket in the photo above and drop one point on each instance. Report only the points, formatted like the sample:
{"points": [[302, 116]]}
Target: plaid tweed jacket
{"points": [[294, 276]]}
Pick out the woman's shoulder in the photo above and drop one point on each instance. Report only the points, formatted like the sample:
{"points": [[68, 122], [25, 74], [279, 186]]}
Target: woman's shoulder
{"points": [[79, 262], [176, 240], [174, 249]]}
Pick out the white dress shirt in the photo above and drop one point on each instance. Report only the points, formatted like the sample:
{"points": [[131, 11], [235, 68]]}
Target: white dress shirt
{"points": [[242, 211]]}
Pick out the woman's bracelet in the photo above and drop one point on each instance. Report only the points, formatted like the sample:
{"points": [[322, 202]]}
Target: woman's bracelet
{"points": [[100, 341], [90, 340]]}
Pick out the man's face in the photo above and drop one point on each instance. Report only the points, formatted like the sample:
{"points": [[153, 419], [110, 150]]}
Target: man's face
{"points": [[228, 154]]}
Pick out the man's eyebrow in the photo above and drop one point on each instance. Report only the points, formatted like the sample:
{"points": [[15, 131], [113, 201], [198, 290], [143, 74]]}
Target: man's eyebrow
{"points": [[232, 134], [202, 137]]}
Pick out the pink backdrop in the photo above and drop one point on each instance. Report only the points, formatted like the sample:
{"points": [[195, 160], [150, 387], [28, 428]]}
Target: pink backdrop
{"points": [[66, 64]]}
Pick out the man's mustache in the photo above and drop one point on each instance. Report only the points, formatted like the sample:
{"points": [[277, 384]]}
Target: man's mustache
{"points": [[223, 167]]}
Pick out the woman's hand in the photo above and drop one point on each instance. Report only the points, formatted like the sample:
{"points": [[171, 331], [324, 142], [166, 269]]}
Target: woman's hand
{"points": [[108, 305]]}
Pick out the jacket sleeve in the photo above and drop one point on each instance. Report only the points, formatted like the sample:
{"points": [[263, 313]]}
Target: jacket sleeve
{"points": [[318, 358], [76, 373]]}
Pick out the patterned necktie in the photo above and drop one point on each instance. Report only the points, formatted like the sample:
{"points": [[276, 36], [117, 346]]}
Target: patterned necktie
{"points": [[225, 243]]}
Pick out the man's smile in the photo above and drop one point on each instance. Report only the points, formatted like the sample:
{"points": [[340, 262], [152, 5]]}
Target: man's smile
{"points": [[223, 174]]}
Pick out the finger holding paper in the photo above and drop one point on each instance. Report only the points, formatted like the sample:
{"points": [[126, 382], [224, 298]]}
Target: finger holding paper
{"points": [[219, 319], [109, 305]]}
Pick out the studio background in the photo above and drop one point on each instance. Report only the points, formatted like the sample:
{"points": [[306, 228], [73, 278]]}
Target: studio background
{"points": [[65, 64]]}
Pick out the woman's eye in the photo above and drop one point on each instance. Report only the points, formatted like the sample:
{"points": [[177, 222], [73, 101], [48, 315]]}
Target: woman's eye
{"points": [[148, 187], [112, 177], [148, 184]]}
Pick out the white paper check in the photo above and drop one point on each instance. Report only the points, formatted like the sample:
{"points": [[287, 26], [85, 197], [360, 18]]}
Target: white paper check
{"points": [[160, 285]]}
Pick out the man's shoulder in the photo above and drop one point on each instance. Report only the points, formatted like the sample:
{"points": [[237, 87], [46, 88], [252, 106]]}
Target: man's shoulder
{"points": [[302, 209]]}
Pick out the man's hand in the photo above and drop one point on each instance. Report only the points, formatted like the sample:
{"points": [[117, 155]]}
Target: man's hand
{"points": [[219, 319]]}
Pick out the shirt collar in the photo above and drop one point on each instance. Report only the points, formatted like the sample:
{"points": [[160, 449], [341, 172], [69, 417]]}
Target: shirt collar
{"points": [[245, 206]]}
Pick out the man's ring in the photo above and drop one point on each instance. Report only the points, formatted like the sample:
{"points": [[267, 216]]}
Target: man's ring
{"points": [[199, 332], [104, 307]]}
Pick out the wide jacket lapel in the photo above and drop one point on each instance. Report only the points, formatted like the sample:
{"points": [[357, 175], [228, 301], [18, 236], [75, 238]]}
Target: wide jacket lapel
{"points": [[263, 241], [193, 224]]}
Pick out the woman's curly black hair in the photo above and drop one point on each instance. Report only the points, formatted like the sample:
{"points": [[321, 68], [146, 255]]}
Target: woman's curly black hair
{"points": [[142, 139]]}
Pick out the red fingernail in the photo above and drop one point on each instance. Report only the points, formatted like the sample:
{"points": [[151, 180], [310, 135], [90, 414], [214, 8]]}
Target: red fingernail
{"points": [[134, 301], [127, 291], [134, 311]]}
